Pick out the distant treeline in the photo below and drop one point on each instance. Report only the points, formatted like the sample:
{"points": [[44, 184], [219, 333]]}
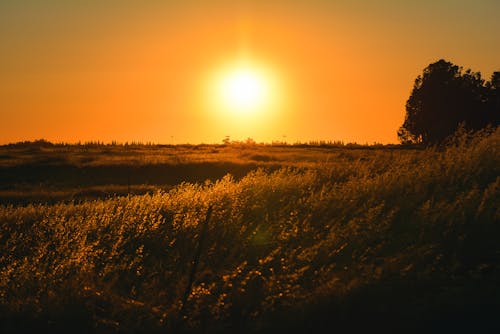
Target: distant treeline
{"points": [[45, 143], [42, 143]]}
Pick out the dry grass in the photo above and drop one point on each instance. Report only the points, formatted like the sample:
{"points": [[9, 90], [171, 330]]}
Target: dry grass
{"points": [[396, 239]]}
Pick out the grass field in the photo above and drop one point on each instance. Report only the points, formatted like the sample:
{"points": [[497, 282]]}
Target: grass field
{"points": [[41, 172], [296, 239]]}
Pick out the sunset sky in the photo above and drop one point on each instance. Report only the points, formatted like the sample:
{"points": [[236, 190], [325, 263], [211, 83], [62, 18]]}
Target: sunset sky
{"points": [[166, 71]]}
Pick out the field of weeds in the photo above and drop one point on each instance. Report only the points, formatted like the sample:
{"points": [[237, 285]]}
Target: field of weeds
{"points": [[394, 240], [41, 172]]}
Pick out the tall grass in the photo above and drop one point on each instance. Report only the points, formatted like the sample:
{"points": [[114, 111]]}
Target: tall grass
{"points": [[295, 241]]}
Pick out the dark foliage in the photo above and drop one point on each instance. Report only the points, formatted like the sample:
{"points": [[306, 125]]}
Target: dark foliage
{"points": [[444, 98]]}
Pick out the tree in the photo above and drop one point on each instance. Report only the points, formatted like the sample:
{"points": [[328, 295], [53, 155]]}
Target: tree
{"points": [[444, 97], [493, 100]]}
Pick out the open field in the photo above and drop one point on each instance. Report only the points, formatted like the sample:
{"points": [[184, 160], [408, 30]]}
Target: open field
{"points": [[300, 239], [42, 172]]}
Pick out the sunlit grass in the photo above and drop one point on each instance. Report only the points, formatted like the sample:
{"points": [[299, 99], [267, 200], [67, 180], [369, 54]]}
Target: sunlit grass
{"points": [[284, 241]]}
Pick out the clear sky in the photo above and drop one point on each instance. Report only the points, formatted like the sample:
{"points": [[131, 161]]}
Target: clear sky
{"points": [[152, 71]]}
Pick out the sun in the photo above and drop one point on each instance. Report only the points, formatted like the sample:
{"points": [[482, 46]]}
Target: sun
{"points": [[243, 95], [244, 90]]}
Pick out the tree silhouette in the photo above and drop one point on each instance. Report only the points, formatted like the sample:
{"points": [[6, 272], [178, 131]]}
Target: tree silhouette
{"points": [[493, 99], [444, 97]]}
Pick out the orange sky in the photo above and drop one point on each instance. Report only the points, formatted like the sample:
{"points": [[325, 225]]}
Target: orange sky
{"points": [[143, 71]]}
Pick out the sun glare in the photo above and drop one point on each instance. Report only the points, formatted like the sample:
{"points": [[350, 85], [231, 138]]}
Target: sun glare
{"points": [[244, 90], [244, 98]]}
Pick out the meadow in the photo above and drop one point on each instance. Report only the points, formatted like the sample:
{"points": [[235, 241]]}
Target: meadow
{"points": [[41, 172], [250, 238]]}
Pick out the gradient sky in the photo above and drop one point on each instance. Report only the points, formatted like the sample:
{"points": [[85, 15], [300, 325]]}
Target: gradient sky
{"points": [[143, 70]]}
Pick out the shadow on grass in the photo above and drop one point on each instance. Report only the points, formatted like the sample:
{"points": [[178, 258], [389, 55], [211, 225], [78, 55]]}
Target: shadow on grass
{"points": [[461, 305], [46, 183]]}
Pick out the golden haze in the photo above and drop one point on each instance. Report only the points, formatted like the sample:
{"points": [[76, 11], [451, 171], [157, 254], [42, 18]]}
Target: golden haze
{"points": [[336, 71]]}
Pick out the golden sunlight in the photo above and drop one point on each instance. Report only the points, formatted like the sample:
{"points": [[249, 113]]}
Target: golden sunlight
{"points": [[244, 98], [243, 89]]}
